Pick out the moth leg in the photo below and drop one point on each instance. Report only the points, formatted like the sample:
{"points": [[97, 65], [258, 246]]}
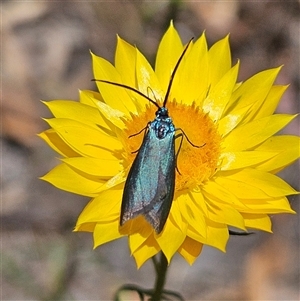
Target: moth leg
{"points": [[189, 141], [187, 138], [142, 130], [176, 155]]}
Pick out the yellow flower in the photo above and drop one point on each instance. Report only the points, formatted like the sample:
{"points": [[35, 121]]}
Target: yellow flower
{"points": [[228, 182]]}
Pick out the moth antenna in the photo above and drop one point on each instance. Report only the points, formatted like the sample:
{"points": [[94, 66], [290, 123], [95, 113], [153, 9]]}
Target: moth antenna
{"points": [[128, 88], [174, 71]]}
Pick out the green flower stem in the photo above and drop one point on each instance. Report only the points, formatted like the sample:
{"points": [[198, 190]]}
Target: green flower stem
{"points": [[158, 293], [161, 268]]}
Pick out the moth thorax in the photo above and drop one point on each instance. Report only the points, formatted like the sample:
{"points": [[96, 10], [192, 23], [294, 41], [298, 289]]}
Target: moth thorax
{"points": [[162, 129]]}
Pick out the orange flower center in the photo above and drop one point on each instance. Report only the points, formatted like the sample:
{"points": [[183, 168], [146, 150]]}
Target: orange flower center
{"points": [[195, 164]]}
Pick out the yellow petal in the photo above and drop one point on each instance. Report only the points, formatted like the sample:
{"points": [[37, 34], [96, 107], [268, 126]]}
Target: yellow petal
{"points": [[168, 53], [88, 227], [65, 178], [112, 116], [239, 188], [76, 111], [57, 144], [269, 206], [106, 232], [149, 249], [254, 91], [175, 214], [287, 148], [198, 199], [217, 235], [125, 62], [147, 80], [82, 138], [232, 120], [138, 238], [257, 221], [136, 225], [88, 97], [271, 101], [114, 181], [253, 133], [190, 250], [219, 60], [219, 95], [190, 86], [191, 214], [170, 230], [222, 213], [195, 235], [237, 160], [114, 96], [103, 168], [270, 184], [222, 195], [103, 208]]}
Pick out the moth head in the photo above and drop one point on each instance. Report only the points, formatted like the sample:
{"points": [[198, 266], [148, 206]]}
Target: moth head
{"points": [[162, 112]]}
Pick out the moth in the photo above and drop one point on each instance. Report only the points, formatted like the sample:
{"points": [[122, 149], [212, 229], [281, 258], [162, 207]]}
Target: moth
{"points": [[150, 184]]}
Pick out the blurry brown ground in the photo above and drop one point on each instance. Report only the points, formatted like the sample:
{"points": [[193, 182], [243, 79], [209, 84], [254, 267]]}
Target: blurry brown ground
{"points": [[45, 55]]}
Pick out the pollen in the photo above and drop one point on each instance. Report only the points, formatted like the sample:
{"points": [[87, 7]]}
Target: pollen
{"points": [[197, 159]]}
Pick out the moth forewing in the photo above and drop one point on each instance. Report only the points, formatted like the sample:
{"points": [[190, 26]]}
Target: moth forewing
{"points": [[149, 188]]}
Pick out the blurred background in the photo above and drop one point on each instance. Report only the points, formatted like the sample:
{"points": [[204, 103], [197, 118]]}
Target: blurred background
{"points": [[45, 55]]}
